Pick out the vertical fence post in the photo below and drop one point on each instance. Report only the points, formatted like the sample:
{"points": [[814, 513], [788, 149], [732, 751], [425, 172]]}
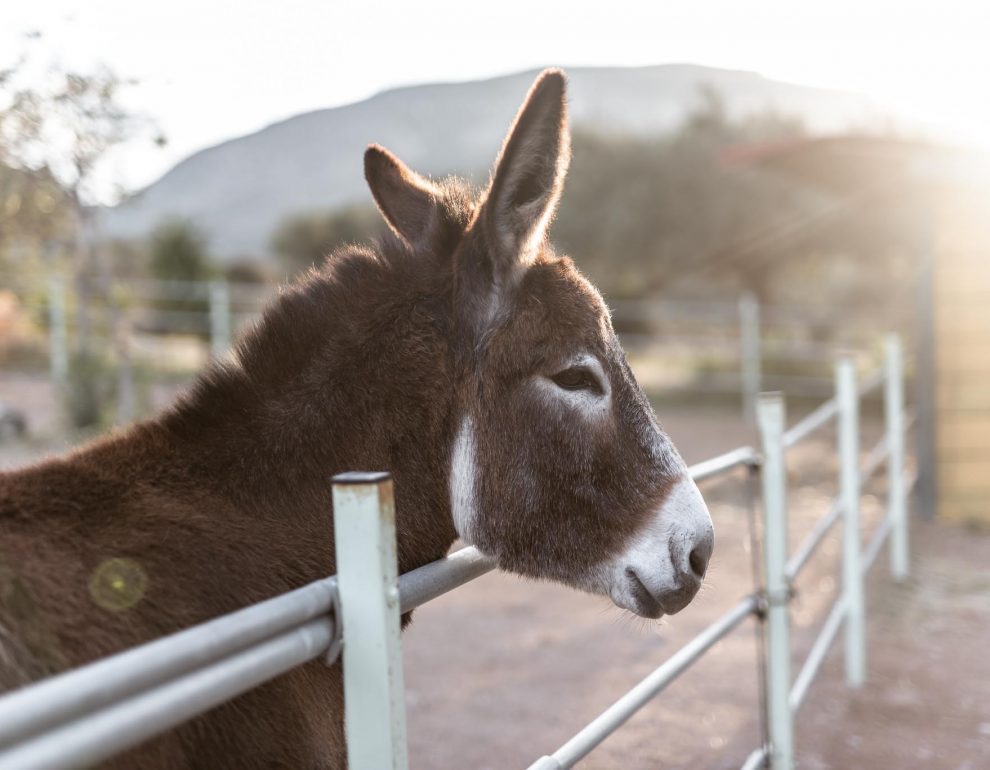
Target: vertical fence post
{"points": [[219, 318], [897, 493], [849, 492], [126, 392], [771, 419], [925, 345], [749, 353], [367, 580], [58, 335]]}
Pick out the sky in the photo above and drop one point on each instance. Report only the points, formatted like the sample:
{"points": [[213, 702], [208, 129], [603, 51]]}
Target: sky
{"points": [[209, 70]]}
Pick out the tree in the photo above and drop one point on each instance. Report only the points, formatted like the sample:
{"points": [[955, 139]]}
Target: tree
{"points": [[63, 125], [643, 213], [35, 217], [178, 253], [303, 241], [179, 258]]}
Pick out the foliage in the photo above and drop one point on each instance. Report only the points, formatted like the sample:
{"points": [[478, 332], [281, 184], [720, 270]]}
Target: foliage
{"points": [[247, 271], [662, 215], [56, 126], [34, 216], [639, 214], [303, 241], [178, 253], [648, 216], [179, 258]]}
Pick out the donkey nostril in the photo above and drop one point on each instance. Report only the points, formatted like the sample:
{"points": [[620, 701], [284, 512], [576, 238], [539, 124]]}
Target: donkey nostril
{"points": [[698, 562]]}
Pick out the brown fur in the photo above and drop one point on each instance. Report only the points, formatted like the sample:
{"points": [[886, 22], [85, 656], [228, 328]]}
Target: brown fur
{"points": [[366, 364]]}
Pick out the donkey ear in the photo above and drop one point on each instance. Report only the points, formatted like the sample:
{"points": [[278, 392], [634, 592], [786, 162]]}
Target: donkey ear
{"points": [[529, 174], [408, 201]]}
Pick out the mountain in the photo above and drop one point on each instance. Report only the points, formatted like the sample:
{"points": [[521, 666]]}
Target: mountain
{"points": [[239, 191]]}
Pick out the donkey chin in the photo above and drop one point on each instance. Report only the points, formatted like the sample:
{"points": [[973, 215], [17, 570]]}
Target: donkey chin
{"points": [[663, 567]]}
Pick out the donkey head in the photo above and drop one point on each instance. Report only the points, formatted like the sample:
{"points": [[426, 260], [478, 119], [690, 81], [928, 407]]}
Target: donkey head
{"points": [[558, 467]]}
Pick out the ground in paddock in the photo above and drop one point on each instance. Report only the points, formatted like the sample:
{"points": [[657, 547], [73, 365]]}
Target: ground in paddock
{"points": [[504, 670]]}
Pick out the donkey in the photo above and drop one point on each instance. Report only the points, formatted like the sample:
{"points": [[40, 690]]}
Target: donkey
{"points": [[461, 354]]}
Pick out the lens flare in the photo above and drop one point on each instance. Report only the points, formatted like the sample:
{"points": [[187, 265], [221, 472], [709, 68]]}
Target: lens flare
{"points": [[118, 584]]}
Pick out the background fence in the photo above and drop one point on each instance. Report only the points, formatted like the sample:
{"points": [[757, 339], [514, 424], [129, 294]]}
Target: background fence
{"points": [[84, 716], [162, 332]]}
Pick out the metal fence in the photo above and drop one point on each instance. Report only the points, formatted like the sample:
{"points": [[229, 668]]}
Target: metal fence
{"points": [[709, 346], [82, 717]]}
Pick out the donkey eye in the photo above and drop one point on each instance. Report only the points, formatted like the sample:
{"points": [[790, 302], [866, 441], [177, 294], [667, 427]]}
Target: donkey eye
{"points": [[577, 378]]}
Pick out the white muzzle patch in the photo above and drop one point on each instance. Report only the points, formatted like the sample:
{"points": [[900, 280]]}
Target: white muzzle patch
{"points": [[662, 569]]}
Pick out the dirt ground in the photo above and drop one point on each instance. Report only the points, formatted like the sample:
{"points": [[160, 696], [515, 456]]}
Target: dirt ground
{"points": [[505, 670]]}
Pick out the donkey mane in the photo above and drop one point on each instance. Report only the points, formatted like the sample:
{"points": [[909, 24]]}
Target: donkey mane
{"points": [[331, 301]]}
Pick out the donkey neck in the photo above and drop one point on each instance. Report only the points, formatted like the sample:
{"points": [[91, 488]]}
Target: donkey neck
{"points": [[348, 370]]}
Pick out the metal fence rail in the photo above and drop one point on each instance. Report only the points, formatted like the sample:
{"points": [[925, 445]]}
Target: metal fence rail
{"points": [[87, 715], [65, 696], [126, 723], [615, 715], [732, 346], [717, 466]]}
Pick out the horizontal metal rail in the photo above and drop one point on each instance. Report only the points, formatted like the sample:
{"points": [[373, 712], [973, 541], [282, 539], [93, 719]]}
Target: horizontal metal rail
{"points": [[55, 700], [723, 463], [824, 525], [815, 421], [89, 714], [833, 622], [816, 656], [756, 759], [877, 539], [814, 539], [112, 730], [872, 550], [426, 583], [826, 412], [876, 457], [871, 383], [613, 717]]}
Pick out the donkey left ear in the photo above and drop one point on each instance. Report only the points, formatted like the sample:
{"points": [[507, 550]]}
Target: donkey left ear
{"points": [[529, 174], [409, 202]]}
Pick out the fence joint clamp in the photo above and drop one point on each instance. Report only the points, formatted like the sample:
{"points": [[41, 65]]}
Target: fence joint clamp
{"points": [[777, 598], [761, 607]]}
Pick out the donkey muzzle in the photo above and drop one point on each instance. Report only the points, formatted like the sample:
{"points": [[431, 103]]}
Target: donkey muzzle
{"points": [[662, 570]]}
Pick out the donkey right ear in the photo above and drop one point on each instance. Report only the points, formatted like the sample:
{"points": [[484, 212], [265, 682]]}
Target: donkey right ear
{"points": [[408, 201], [529, 174]]}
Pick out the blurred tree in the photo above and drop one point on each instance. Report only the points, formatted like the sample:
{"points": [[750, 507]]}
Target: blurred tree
{"points": [[303, 241], [642, 213], [179, 258], [247, 271], [656, 215], [63, 124], [178, 253], [35, 218]]}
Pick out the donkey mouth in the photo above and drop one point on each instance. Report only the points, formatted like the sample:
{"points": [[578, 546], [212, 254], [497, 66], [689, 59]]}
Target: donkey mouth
{"points": [[644, 603]]}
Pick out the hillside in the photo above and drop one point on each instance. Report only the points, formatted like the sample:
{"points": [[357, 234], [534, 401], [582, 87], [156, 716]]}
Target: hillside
{"points": [[238, 192]]}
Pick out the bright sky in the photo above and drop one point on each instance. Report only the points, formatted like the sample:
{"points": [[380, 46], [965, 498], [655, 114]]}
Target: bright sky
{"points": [[213, 69]]}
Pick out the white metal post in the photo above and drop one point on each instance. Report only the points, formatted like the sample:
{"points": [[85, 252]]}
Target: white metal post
{"points": [[852, 573], [58, 337], [367, 581], [771, 420], [897, 493], [219, 318], [749, 351]]}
